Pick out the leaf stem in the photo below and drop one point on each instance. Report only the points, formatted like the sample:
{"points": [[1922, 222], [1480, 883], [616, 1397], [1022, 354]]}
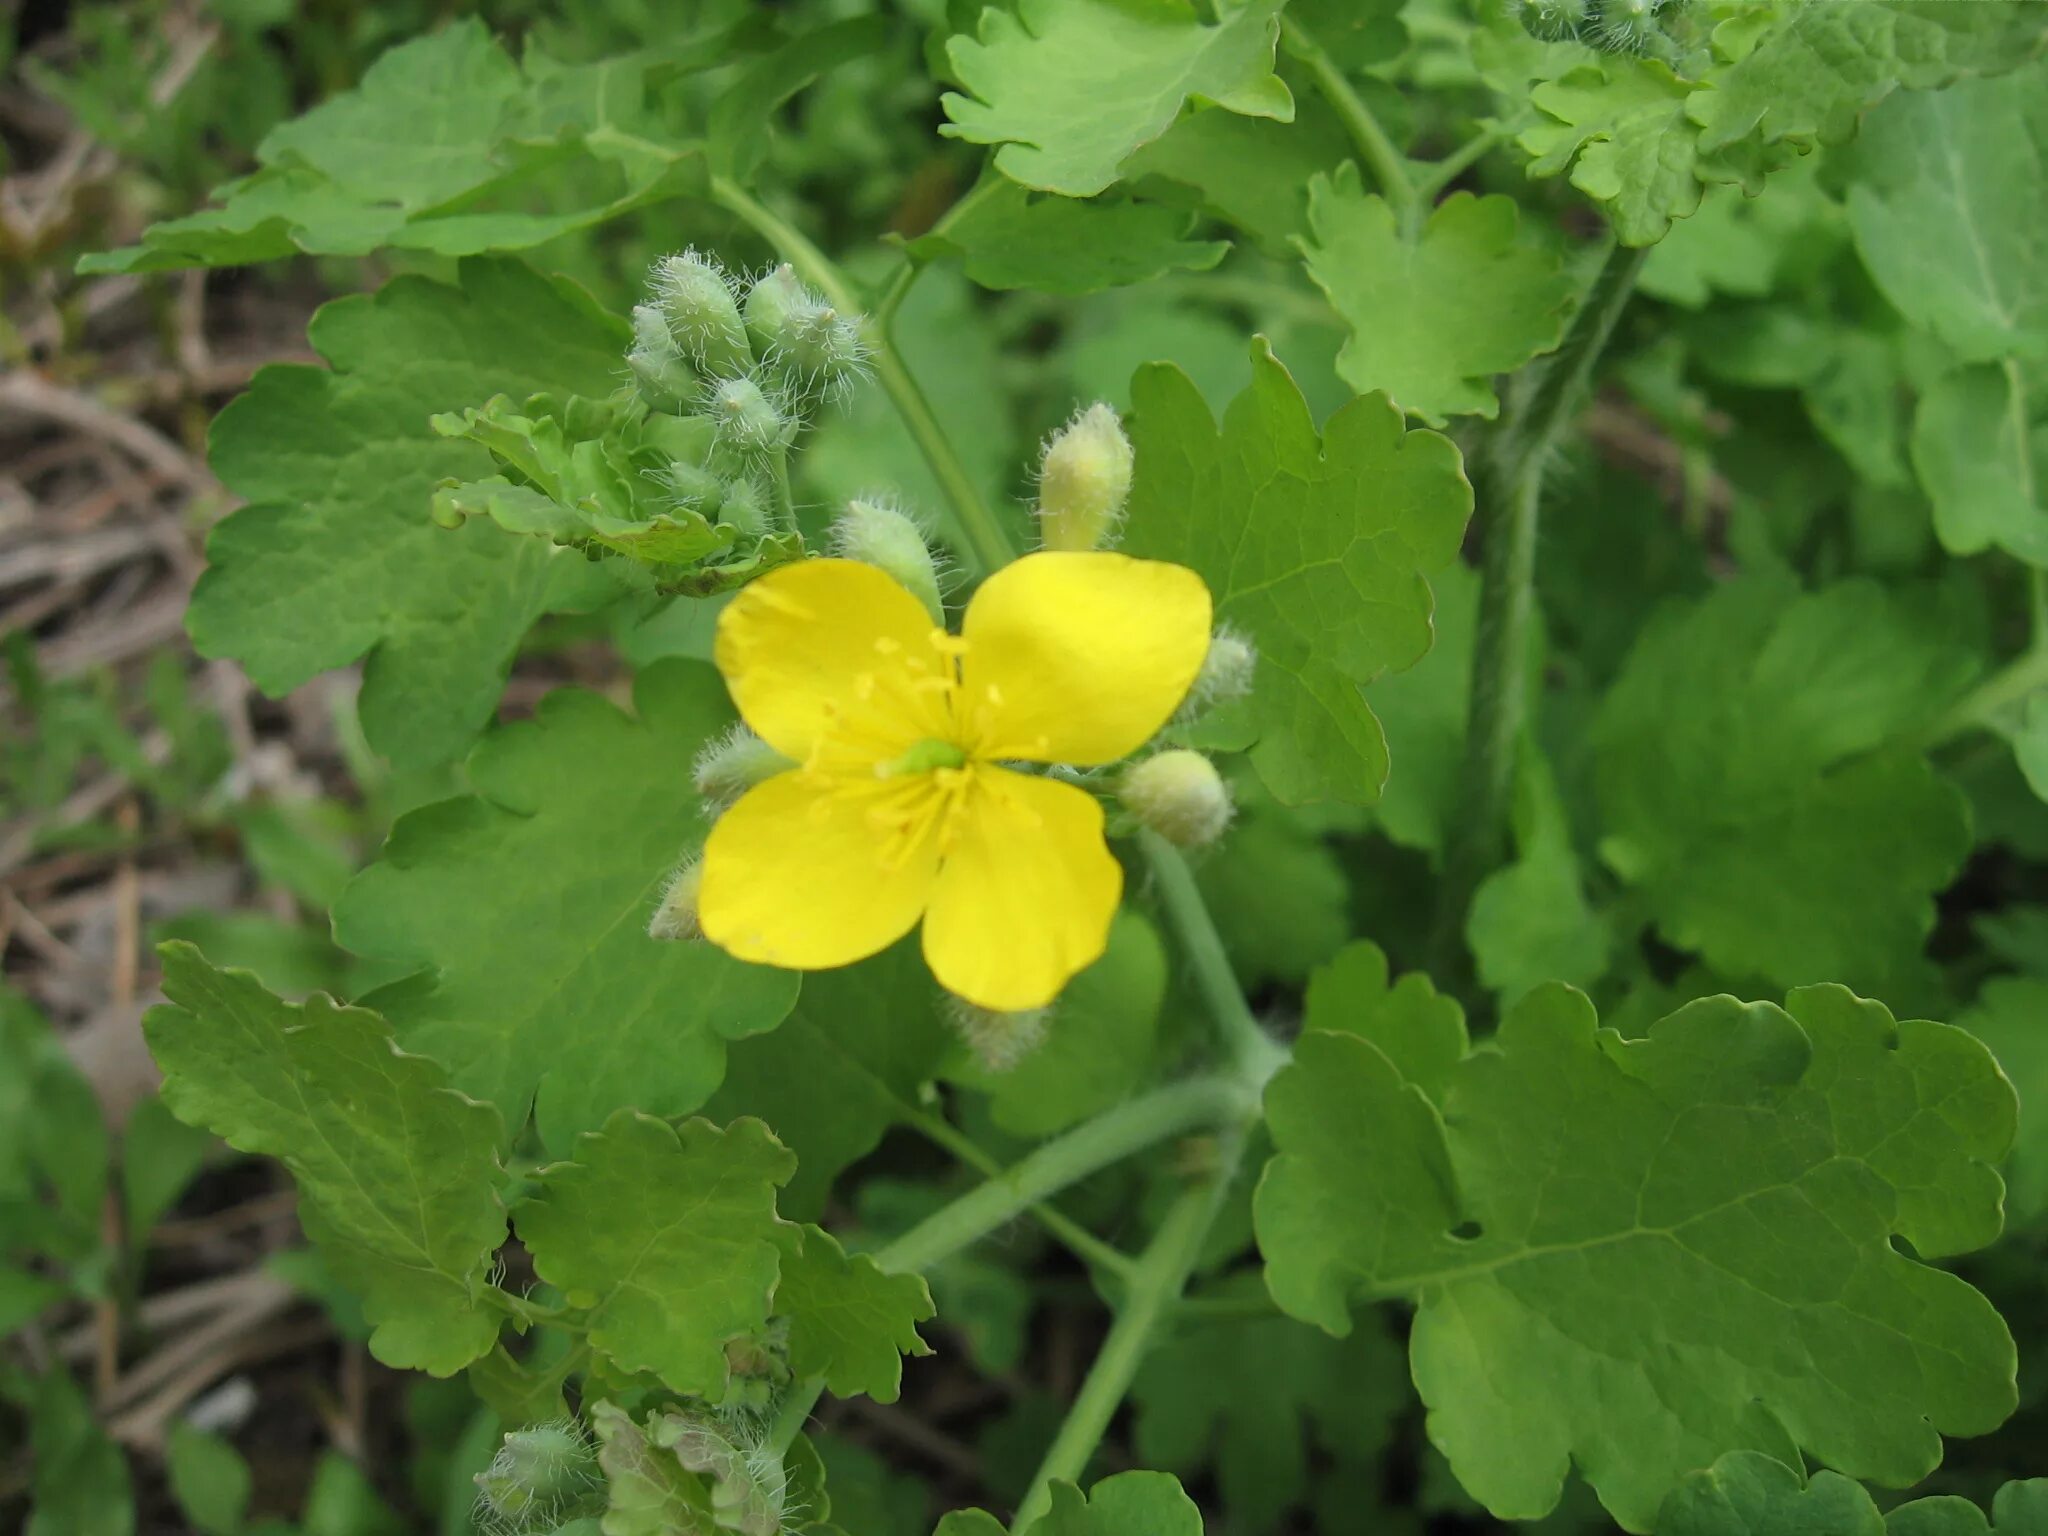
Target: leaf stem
{"points": [[1087, 1149], [1155, 1291], [1980, 707], [1256, 1054], [1439, 174], [980, 538], [1374, 147], [1077, 1239], [778, 475], [1510, 499]]}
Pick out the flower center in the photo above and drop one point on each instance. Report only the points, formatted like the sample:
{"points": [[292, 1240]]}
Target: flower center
{"points": [[929, 754]]}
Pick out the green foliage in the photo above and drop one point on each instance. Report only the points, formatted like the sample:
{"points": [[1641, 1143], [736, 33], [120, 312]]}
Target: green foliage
{"points": [[1071, 88], [563, 1004], [850, 1323], [1130, 1504], [1008, 238], [396, 1169], [1315, 545], [1748, 1494], [1587, 1222]]}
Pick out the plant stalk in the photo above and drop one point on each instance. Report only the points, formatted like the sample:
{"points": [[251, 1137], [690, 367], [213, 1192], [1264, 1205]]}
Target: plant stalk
{"points": [[1254, 1053], [1510, 499], [1374, 147], [978, 536]]}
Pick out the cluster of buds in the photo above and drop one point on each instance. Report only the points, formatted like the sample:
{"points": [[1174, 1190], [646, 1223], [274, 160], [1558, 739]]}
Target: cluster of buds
{"points": [[542, 1478], [751, 359], [1648, 28]]}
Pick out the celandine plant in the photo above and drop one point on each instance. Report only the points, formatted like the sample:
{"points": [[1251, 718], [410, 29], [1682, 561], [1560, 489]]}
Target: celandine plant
{"points": [[1225, 876]]}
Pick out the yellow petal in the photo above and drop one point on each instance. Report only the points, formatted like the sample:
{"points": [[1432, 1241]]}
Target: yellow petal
{"points": [[810, 870], [1026, 893], [834, 664], [1079, 658]]}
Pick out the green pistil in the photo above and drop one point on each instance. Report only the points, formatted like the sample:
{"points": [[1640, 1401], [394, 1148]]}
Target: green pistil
{"points": [[926, 756]]}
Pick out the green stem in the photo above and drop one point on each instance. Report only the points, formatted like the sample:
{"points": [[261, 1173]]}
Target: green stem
{"points": [[778, 475], [1090, 1147], [979, 536], [1077, 1239], [1154, 1293], [1441, 173], [1255, 1053], [913, 265], [1377, 150], [1979, 709], [1509, 484]]}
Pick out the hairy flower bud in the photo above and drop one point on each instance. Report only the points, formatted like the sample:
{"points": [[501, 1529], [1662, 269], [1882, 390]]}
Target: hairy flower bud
{"points": [[541, 1476], [732, 764], [797, 331], [1227, 670], [660, 372], [1552, 20], [999, 1040], [743, 505], [693, 488], [745, 419], [695, 297], [1084, 478], [880, 535], [1179, 795], [675, 915]]}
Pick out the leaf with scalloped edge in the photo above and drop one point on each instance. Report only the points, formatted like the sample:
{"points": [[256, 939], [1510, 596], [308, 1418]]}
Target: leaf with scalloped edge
{"points": [[1433, 315], [1071, 88], [337, 559], [397, 1172], [1749, 1494], [849, 1321], [1315, 545], [1129, 1504], [667, 1235], [522, 910], [1633, 1256]]}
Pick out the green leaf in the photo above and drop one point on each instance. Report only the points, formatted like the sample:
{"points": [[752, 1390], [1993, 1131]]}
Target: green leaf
{"points": [[841, 1069], [209, 1479], [1751, 787], [1748, 1494], [1635, 1255], [2009, 1016], [1942, 203], [1252, 172], [81, 1483], [1009, 237], [397, 1172], [1314, 546], [1420, 1031], [337, 559], [668, 1237], [524, 909], [442, 148], [53, 1162], [1530, 921], [1980, 447], [1099, 1042], [1071, 88], [1435, 314], [681, 1475], [849, 1322], [1256, 1395], [1621, 125], [1129, 1504], [1279, 896], [1810, 77]]}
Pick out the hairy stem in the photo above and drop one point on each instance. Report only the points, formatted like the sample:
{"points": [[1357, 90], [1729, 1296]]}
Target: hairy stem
{"points": [[1510, 498], [979, 537], [1155, 1291], [1077, 1239], [1087, 1149], [1250, 1048], [1374, 147]]}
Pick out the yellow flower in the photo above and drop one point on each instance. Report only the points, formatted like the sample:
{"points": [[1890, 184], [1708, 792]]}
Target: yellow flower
{"points": [[899, 807]]}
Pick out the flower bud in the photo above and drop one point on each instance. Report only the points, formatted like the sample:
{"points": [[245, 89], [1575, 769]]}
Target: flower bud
{"points": [[795, 330], [693, 488], [1179, 795], [675, 915], [1552, 20], [999, 1040], [1227, 670], [695, 297], [743, 505], [731, 764], [881, 536], [545, 1475], [660, 372], [744, 419], [1083, 480]]}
